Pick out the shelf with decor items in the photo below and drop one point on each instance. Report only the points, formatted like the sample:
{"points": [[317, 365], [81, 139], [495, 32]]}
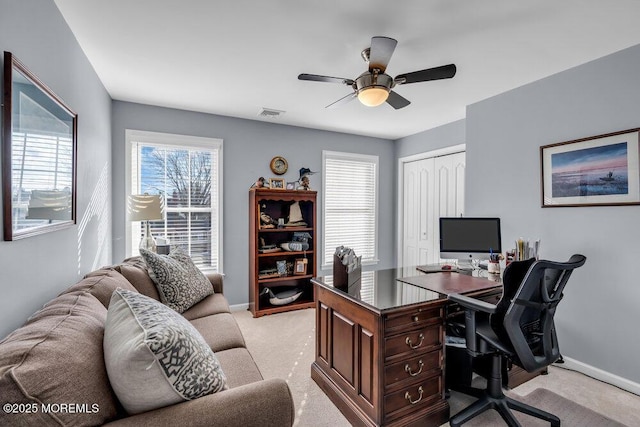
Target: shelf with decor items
{"points": [[282, 250]]}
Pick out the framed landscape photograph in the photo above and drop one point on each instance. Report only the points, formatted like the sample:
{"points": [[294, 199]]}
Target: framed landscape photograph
{"points": [[602, 170]]}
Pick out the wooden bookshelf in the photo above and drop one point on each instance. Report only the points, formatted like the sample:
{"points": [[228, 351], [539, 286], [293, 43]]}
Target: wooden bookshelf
{"points": [[277, 204]]}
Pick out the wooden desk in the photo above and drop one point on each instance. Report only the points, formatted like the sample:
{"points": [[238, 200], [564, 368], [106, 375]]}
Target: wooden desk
{"points": [[380, 348]]}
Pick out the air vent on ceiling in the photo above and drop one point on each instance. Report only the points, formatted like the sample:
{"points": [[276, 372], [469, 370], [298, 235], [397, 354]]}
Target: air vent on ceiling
{"points": [[270, 113]]}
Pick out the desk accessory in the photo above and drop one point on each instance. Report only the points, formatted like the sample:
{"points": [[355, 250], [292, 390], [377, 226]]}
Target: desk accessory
{"points": [[347, 268]]}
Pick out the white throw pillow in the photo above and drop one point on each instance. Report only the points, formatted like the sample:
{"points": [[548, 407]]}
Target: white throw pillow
{"points": [[180, 282], [154, 356]]}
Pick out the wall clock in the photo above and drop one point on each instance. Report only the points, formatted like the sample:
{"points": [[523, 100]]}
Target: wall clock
{"points": [[279, 165]]}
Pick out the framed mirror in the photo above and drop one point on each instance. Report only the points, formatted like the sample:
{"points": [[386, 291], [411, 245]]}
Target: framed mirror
{"points": [[38, 155]]}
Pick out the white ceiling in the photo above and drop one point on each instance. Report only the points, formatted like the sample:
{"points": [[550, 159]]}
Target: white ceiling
{"points": [[234, 57]]}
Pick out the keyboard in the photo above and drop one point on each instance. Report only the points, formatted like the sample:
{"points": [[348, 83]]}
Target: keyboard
{"points": [[434, 268]]}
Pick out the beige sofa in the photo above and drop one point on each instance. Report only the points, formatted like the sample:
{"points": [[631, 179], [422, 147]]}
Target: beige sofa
{"points": [[52, 369]]}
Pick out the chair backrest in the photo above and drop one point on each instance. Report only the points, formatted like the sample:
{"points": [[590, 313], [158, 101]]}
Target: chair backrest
{"points": [[512, 278], [528, 321]]}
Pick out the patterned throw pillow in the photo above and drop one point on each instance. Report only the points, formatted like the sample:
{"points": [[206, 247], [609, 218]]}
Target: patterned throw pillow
{"points": [[180, 283], [154, 356]]}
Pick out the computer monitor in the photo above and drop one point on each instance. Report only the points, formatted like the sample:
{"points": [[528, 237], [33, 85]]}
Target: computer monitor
{"points": [[469, 239]]}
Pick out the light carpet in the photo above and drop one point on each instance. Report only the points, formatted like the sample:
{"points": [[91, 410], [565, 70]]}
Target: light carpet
{"points": [[283, 346], [570, 413]]}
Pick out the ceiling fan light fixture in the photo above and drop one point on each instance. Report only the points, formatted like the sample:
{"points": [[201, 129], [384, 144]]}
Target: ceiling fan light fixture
{"points": [[373, 96]]}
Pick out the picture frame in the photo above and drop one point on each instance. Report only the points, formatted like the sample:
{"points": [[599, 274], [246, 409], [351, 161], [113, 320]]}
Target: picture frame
{"points": [[282, 267], [39, 190], [601, 170], [276, 183], [300, 266]]}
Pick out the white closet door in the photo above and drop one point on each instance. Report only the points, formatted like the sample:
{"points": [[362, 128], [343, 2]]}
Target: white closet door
{"points": [[450, 184], [418, 224], [432, 187]]}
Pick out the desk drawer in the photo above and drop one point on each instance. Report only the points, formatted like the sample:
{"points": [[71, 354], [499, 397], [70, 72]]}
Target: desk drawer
{"points": [[414, 342], [413, 318], [416, 368], [413, 397]]}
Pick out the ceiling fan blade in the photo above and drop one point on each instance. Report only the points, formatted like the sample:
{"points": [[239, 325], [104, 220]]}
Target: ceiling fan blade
{"points": [[343, 100], [380, 53], [437, 73], [327, 79], [397, 101]]}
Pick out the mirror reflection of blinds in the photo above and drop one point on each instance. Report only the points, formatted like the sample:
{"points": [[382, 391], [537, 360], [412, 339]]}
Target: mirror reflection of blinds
{"points": [[188, 179], [350, 205], [41, 163]]}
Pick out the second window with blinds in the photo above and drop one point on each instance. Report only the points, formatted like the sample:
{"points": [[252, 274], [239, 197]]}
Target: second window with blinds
{"points": [[350, 205]]}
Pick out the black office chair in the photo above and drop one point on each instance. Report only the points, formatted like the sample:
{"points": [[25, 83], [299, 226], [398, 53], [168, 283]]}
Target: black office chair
{"points": [[520, 327]]}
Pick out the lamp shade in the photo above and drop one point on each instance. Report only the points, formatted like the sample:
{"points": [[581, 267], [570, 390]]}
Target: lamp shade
{"points": [[145, 207], [49, 204]]}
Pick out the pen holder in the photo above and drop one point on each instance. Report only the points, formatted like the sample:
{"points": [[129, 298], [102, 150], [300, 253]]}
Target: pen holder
{"points": [[342, 279], [493, 267]]}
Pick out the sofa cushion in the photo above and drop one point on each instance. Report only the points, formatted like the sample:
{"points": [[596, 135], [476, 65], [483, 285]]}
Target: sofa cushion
{"points": [[220, 331], [101, 284], [213, 304], [180, 283], [154, 357], [56, 357], [239, 367], [135, 270]]}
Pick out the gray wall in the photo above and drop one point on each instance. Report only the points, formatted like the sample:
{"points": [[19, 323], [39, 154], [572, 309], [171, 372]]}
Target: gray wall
{"points": [[35, 269], [597, 321], [599, 317], [248, 148], [443, 136]]}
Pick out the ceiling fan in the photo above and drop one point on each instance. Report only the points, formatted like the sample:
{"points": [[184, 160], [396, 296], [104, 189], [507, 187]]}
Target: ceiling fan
{"points": [[373, 87]]}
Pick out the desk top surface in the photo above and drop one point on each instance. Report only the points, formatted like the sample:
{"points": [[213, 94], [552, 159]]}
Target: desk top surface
{"points": [[384, 290], [452, 282]]}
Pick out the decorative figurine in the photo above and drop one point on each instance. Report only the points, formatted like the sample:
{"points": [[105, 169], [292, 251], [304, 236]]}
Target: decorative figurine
{"points": [[260, 183], [303, 181]]}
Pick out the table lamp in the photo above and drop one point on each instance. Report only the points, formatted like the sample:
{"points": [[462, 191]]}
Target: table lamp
{"points": [[145, 207]]}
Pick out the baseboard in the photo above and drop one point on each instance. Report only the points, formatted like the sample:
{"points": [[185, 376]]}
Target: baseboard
{"points": [[601, 375], [239, 307]]}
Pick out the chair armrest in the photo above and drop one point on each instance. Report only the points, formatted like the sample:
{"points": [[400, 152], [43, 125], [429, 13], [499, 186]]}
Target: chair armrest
{"points": [[475, 311], [216, 280], [266, 403], [473, 304]]}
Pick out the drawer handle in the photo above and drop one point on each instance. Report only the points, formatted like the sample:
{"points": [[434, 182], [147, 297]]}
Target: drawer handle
{"points": [[410, 344], [408, 396], [407, 368], [415, 318]]}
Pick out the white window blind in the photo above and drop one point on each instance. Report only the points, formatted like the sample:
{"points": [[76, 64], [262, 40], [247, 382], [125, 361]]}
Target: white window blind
{"points": [[350, 205], [186, 171]]}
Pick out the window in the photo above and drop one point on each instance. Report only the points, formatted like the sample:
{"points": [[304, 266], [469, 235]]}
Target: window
{"points": [[350, 205], [187, 172]]}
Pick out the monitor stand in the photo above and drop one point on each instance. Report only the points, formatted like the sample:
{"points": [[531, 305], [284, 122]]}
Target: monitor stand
{"points": [[467, 265]]}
